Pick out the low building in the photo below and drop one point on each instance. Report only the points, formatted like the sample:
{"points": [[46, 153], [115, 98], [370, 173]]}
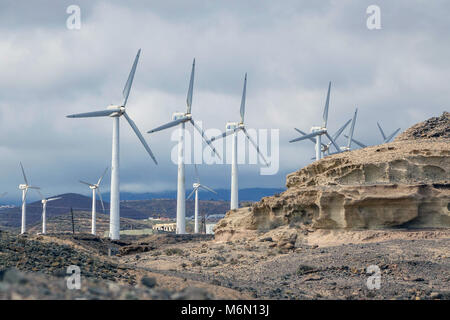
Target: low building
{"points": [[168, 227]]}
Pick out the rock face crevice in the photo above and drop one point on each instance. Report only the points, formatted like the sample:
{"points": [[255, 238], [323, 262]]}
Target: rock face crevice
{"points": [[405, 183]]}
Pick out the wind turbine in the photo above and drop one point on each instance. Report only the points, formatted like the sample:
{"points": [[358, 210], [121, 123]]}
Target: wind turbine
{"points": [[197, 185], [335, 136], [95, 187], [350, 135], [386, 139], [44, 210], [318, 131], [24, 187], [180, 118], [234, 128], [115, 112]]}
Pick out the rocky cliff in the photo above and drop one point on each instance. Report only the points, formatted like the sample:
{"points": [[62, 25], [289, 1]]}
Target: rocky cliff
{"points": [[404, 183]]}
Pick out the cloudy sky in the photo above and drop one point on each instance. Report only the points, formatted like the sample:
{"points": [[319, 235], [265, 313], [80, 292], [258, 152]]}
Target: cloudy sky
{"points": [[398, 75]]}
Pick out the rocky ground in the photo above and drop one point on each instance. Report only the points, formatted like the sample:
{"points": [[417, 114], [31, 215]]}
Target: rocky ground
{"points": [[413, 265], [277, 265]]}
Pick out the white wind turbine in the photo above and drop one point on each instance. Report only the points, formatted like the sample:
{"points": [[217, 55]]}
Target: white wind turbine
{"points": [[335, 136], [318, 131], [386, 139], [24, 187], [350, 135], [180, 118], [115, 112], [95, 187], [197, 185], [234, 128], [44, 210]]}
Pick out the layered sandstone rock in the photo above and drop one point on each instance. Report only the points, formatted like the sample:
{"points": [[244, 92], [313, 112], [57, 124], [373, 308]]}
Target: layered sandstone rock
{"points": [[401, 184]]}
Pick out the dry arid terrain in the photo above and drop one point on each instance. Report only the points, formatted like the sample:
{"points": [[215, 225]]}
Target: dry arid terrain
{"points": [[344, 222]]}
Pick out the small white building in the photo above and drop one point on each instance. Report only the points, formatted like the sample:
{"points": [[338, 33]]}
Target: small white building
{"points": [[209, 228]]}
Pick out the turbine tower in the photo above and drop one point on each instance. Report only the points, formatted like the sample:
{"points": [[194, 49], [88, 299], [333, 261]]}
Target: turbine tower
{"points": [[44, 210], [318, 131], [180, 118], [24, 187], [115, 112], [95, 187], [197, 185], [233, 128]]}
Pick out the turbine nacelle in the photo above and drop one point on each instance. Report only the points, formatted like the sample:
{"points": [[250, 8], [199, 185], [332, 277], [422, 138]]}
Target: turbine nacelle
{"points": [[181, 115], [196, 185], [233, 126], [117, 113], [318, 130], [23, 186]]}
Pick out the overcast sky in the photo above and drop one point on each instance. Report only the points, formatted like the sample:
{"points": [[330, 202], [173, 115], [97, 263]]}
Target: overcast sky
{"points": [[398, 75]]}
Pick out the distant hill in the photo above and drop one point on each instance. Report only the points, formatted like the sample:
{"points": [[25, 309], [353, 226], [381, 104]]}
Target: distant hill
{"points": [[168, 207], [248, 194], [11, 217], [82, 223], [136, 206]]}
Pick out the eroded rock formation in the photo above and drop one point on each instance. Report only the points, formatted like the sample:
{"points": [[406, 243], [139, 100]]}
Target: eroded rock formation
{"points": [[401, 184]]}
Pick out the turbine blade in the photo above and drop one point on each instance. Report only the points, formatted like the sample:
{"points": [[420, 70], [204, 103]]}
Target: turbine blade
{"points": [[42, 196], [255, 145], [352, 129], [140, 137], [53, 199], [101, 178], [23, 173], [204, 137], [223, 135], [86, 183], [197, 177], [327, 104], [333, 142], [190, 195], [382, 132], [127, 88], [341, 129], [102, 113], [308, 136], [207, 188], [35, 188], [244, 93], [191, 89], [169, 125], [392, 135], [101, 199], [362, 145], [304, 134]]}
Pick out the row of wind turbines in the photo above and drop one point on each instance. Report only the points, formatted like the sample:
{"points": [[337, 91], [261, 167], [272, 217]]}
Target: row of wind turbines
{"points": [[180, 119], [321, 148]]}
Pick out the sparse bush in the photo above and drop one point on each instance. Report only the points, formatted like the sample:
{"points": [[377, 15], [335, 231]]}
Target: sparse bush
{"points": [[196, 263], [219, 258], [173, 251], [305, 269]]}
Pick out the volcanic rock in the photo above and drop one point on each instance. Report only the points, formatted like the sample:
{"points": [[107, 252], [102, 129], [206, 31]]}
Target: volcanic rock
{"points": [[404, 183]]}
